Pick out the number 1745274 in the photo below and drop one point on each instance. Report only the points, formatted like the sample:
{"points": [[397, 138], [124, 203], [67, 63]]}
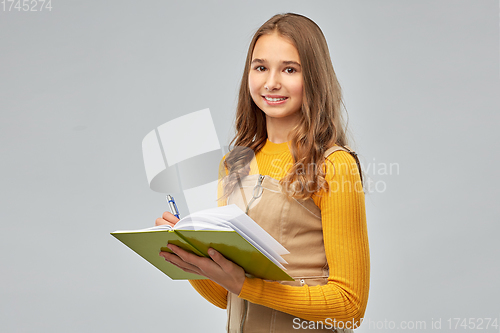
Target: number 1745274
{"points": [[26, 5]]}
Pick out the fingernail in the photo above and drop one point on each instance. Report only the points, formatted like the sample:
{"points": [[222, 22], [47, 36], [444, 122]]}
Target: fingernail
{"points": [[211, 251]]}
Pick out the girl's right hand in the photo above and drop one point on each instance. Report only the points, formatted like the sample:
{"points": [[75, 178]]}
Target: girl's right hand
{"points": [[167, 218]]}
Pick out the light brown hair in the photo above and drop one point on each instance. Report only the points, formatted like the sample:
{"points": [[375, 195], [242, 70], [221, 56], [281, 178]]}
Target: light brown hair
{"points": [[321, 122]]}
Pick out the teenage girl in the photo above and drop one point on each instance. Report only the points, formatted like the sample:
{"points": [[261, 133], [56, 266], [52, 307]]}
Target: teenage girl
{"points": [[309, 191]]}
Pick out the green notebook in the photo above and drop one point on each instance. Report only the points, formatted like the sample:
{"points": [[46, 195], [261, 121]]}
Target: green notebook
{"points": [[227, 229]]}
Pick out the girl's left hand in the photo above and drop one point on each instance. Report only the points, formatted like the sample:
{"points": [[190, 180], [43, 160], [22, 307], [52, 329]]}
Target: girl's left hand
{"points": [[218, 269]]}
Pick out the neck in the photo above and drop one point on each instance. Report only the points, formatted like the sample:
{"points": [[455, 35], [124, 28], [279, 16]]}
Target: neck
{"points": [[278, 129]]}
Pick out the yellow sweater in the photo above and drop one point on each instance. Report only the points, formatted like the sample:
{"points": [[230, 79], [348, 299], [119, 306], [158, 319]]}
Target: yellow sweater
{"points": [[345, 296]]}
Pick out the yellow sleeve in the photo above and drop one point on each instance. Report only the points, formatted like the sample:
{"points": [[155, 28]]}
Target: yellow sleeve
{"points": [[345, 296], [211, 291]]}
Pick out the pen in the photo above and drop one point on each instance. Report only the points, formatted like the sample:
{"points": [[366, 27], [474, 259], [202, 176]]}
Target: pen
{"points": [[173, 206]]}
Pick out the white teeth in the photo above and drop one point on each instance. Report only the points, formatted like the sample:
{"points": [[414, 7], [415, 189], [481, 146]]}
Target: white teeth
{"points": [[274, 99]]}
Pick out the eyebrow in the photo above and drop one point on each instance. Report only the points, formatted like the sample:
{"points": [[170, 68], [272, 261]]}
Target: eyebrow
{"points": [[288, 62]]}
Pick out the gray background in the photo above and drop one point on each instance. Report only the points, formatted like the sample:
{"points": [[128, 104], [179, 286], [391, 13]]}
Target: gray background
{"points": [[80, 87]]}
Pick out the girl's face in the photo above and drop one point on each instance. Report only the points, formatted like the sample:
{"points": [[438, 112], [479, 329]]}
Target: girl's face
{"points": [[275, 77]]}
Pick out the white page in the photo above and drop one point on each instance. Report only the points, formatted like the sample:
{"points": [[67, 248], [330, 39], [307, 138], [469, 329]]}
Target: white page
{"points": [[190, 223], [268, 251], [220, 224], [252, 229], [273, 256], [229, 218], [243, 222], [155, 228]]}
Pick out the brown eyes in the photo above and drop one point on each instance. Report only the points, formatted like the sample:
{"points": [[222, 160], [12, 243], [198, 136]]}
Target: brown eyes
{"points": [[288, 70]]}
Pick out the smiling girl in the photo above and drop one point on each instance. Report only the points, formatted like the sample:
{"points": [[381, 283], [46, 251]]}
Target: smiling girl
{"points": [[310, 194]]}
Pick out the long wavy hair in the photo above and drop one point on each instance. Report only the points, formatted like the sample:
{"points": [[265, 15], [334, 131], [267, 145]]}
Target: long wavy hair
{"points": [[321, 123]]}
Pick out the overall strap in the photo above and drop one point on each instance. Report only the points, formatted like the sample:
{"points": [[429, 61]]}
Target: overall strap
{"points": [[333, 149]]}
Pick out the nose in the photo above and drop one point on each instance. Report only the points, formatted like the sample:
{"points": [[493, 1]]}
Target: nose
{"points": [[273, 81]]}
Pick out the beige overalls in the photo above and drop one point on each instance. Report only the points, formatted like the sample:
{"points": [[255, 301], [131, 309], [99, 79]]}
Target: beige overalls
{"points": [[297, 226]]}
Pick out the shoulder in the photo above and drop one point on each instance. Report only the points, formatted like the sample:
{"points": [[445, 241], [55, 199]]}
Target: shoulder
{"points": [[341, 163], [342, 173], [222, 167]]}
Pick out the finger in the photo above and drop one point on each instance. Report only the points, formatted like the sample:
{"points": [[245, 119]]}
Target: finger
{"points": [[187, 269], [170, 217], [193, 259], [178, 262], [160, 221], [220, 260]]}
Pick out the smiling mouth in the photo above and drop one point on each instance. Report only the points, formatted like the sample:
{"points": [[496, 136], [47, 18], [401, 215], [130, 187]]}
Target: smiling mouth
{"points": [[274, 99]]}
